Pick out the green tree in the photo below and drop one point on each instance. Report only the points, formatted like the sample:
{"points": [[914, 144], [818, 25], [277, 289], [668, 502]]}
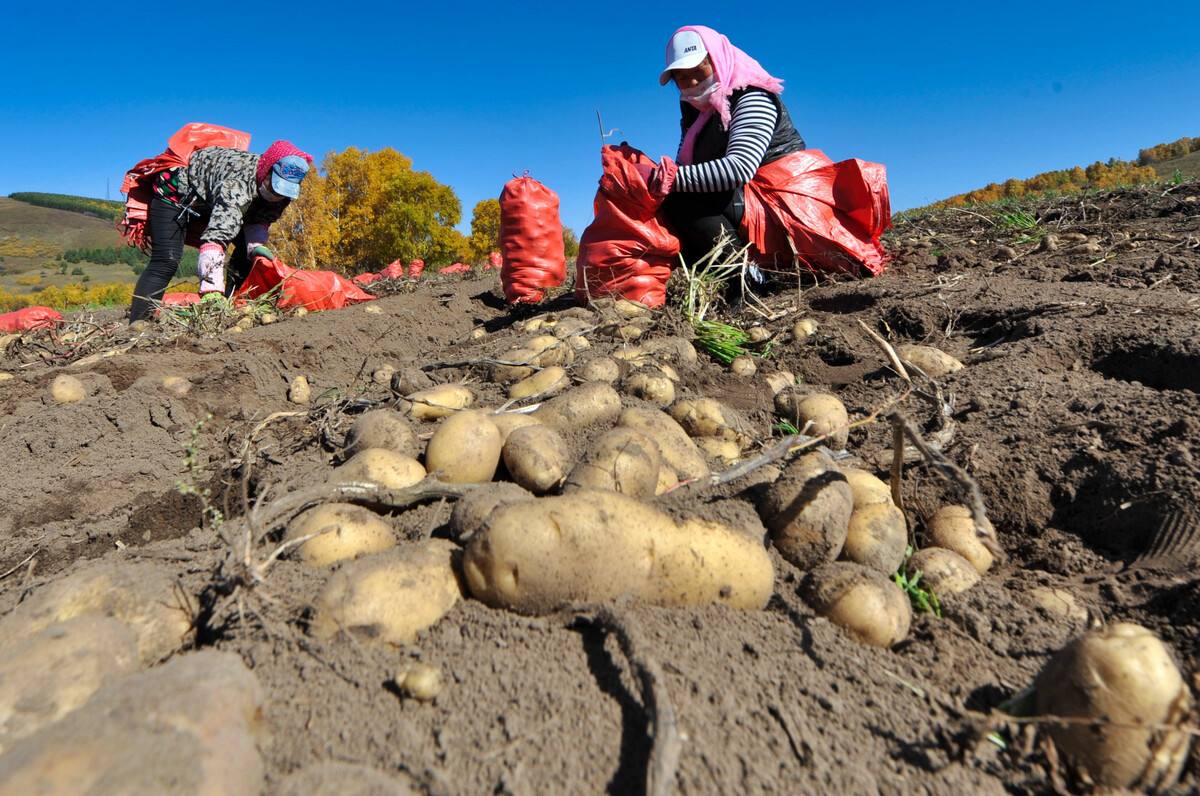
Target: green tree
{"points": [[570, 244], [485, 229]]}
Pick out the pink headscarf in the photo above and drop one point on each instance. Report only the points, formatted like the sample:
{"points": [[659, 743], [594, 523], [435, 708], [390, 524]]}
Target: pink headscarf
{"points": [[734, 70], [276, 152]]}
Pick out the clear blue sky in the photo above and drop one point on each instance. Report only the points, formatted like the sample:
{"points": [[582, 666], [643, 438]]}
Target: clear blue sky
{"points": [[950, 96]]}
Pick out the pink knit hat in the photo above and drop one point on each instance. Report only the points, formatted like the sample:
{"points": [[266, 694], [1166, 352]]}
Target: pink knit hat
{"points": [[275, 152]]}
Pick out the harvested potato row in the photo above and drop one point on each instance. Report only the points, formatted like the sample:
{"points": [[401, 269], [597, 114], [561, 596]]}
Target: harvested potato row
{"points": [[536, 457], [807, 510], [621, 460], [382, 428], [586, 405], [437, 402], [678, 450], [538, 556], [864, 602], [465, 449], [815, 414], [345, 531], [389, 597], [953, 528], [379, 466]]}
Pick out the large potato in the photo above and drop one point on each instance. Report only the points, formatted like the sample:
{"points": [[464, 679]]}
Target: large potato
{"points": [[866, 603], [867, 488], [603, 369], [438, 402], [1122, 676], [346, 531], [678, 450], [821, 414], [389, 597], [589, 404], [807, 509], [548, 381], [382, 428], [621, 460], [953, 528], [537, 458], [942, 571], [465, 449], [933, 362], [877, 537], [472, 509], [706, 417], [382, 467], [588, 547]]}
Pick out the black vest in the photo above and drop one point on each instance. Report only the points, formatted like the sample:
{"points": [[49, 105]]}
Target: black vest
{"points": [[714, 138]]}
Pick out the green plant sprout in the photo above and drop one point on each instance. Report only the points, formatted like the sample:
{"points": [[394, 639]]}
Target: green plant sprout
{"points": [[924, 601]]}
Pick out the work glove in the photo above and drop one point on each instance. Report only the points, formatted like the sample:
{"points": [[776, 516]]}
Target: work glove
{"points": [[659, 179], [210, 266], [261, 250]]}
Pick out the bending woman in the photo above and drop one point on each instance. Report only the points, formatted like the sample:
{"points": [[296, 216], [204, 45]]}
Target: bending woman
{"points": [[236, 196]]}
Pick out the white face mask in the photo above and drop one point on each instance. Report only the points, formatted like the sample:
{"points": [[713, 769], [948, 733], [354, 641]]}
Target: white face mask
{"points": [[698, 95]]}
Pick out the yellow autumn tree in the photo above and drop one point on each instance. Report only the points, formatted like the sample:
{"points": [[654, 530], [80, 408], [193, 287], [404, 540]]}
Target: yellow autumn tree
{"points": [[485, 229], [365, 209]]}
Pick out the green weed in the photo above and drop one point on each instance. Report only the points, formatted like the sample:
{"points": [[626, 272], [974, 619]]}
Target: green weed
{"points": [[924, 601], [195, 471], [1018, 220]]}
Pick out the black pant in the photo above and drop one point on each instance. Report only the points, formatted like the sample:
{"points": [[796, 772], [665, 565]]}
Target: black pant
{"points": [[167, 234], [700, 219]]}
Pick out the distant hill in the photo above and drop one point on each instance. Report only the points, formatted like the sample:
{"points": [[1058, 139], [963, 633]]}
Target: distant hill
{"points": [[35, 240], [100, 208], [1187, 165]]}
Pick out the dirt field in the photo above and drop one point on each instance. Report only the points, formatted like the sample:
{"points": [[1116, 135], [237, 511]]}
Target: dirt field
{"points": [[1078, 414]]}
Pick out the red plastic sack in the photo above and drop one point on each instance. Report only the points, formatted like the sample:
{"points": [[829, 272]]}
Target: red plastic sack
{"points": [[27, 318], [456, 268], [313, 290], [366, 279], [832, 213], [415, 269], [531, 238], [393, 270], [180, 299], [495, 261], [625, 251]]}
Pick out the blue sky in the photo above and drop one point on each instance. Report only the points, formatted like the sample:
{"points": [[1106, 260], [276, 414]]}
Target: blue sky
{"points": [[950, 96]]}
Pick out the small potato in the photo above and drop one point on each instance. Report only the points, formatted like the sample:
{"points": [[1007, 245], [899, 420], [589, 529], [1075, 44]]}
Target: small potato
{"points": [[537, 324], [778, 382], [934, 362], [705, 417], [953, 528], [548, 381], [1058, 603], [542, 343], [578, 342], [590, 547], [867, 488], [743, 366], [439, 401], [1123, 676], [571, 327], [726, 450], [383, 374], [522, 367], [382, 428], [678, 450], [67, 389], [807, 510], [472, 509], [621, 460], [589, 404], [804, 328], [865, 603], [478, 333], [346, 532], [603, 369], [942, 571], [537, 458], [634, 353], [409, 380], [508, 422], [421, 682], [380, 466], [822, 414], [877, 537], [758, 334], [389, 597], [465, 449], [651, 386], [672, 349], [176, 385], [299, 391]]}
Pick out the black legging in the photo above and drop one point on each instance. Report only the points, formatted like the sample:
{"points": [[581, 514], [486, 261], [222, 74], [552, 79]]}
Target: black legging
{"points": [[167, 234], [699, 219]]}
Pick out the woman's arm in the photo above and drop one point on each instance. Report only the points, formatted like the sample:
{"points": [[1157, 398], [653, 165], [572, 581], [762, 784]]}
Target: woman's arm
{"points": [[229, 205], [750, 129]]}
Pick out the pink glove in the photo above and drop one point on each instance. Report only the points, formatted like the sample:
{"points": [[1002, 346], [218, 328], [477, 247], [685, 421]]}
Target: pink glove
{"points": [[663, 178], [211, 268], [644, 169]]}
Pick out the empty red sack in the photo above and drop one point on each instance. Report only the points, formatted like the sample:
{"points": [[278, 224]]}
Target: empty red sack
{"points": [[313, 290], [531, 241]]}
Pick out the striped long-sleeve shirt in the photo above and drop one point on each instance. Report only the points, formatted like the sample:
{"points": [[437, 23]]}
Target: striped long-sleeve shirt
{"points": [[751, 125]]}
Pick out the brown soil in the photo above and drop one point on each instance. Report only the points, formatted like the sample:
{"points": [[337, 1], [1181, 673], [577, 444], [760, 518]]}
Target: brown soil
{"points": [[1078, 413]]}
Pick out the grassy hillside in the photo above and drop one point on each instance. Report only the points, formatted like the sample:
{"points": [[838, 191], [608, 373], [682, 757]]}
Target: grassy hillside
{"points": [[33, 239], [1188, 166]]}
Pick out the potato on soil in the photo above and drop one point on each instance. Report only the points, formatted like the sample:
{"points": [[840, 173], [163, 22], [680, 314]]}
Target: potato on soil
{"points": [[542, 343], [633, 353], [743, 366], [934, 362], [521, 366], [381, 467], [383, 374], [508, 422], [465, 449], [672, 349], [877, 537], [621, 460], [726, 450], [807, 510], [804, 328], [778, 382], [1120, 675], [571, 327], [942, 571], [578, 343], [651, 386], [867, 488], [706, 417], [176, 385], [603, 369], [586, 405], [406, 381], [953, 528], [678, 450], [548, 381], [67, 389], [382, 428], [299, 391], [587, 547], [821, 413], [421, 682], [438, 402], [537, 458], [864, 602], [472, 510], [389, 597], [346, 531]]}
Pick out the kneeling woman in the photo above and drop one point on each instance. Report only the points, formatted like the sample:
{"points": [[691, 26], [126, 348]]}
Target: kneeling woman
{"points": [[235, 196], [739, 167]]}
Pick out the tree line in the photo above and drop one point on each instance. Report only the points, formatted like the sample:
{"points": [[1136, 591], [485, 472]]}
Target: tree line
{"points": [[1175, 149], [100, 208], [1099, 175]]}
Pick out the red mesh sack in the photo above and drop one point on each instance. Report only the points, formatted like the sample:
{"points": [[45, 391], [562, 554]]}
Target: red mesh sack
{"points": [[625, 251], [456, 268], [367, 278], [180, 299], [23, 320], [313, 290], [495, 261], [416, 268], [393, 270], [531, 240]]}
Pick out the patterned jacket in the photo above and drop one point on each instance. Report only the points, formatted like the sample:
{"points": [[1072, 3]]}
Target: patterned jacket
{"points": [[221, 181]]}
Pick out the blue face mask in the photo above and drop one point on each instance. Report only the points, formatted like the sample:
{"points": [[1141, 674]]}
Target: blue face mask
{"points": [[698, 96]]}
